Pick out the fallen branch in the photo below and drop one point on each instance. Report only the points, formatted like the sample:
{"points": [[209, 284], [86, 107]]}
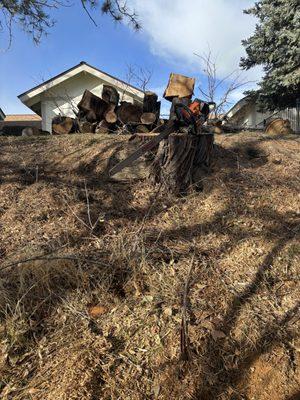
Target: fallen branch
{"points": [[184, 335], [51, 258]]}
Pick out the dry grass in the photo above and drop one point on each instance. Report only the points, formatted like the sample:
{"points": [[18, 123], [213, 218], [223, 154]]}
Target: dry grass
{"points": [[72, 239]]}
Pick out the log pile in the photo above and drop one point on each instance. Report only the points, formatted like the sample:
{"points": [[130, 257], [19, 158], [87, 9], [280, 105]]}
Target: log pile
{"points": [[107, 114], [182, 149]]}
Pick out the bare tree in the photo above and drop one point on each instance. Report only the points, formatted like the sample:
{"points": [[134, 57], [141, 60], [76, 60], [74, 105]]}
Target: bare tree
{"points": [[139, 76], [34, 15], [59, 100], [219, 90]]}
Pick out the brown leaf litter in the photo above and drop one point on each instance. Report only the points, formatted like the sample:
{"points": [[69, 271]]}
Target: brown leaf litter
{"points": [[92, 273]]}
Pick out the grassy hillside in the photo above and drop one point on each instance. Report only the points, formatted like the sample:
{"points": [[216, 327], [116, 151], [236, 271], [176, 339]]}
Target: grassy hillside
{"points": [[93, 273]]}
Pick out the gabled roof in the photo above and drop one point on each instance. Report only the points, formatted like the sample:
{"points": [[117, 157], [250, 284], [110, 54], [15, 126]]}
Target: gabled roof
{"points": [[238, 106], [2, 115], [82, 66]]}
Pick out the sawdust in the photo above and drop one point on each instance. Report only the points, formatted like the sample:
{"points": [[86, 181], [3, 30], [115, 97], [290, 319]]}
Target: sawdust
{"points": [[73, 240]]}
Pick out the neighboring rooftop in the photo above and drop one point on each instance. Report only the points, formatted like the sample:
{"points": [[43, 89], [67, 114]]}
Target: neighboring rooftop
{"points": [[22, 117], [82, 66]]}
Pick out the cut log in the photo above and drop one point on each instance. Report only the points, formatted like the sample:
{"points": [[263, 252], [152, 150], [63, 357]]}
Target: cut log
{"points": [[179, 159], [102, 128], [62, 125], [146, 136], [142, 129], [90, 116], [111, 117], [179, 86], [151, 105], [91, 102], [129, 113], [149, 102], [279, 126], [148, 118], [110, 94], [31, 131], [86, 127], [229, 128]]}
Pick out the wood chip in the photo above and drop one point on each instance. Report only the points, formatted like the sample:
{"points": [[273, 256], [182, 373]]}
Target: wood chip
{"points": [[96, 311], [33, 390], [208, 325], [217, 334], [168, 312]]}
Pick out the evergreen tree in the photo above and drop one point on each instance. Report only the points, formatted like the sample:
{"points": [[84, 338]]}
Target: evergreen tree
{"points": [[275, 45], [34, 15]]}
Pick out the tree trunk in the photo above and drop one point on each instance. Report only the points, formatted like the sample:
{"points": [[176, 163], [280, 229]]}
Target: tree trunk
{"points": [[181, 160]]}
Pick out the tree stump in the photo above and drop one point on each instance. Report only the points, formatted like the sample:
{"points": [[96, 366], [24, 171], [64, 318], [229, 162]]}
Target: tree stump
{"points": [[181, 160]]}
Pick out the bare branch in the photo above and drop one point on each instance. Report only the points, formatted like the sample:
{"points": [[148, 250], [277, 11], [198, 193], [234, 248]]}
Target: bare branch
{"points": [[139, 76], [218, 90], [88, 13], [34, 15]]}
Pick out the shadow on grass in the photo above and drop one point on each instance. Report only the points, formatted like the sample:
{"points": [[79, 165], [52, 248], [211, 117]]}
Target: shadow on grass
{"points": [[119, 271], [295, 396]]}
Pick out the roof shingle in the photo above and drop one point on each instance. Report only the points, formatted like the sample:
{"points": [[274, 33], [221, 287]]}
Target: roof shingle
{"points": [[22, 117]]}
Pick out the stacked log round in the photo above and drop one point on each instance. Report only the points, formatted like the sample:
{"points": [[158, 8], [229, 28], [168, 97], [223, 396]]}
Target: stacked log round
{"points": [[106, 114], [129, 113], [62, 125], [148, 118], [110, 116]]}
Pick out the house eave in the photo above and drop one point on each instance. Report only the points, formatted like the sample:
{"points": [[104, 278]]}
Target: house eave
{"points": [[238, 106], [82, 67], [2, 115]]}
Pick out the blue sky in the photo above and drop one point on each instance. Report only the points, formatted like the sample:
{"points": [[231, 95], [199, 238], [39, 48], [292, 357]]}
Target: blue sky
{"points": [[172, 31]]}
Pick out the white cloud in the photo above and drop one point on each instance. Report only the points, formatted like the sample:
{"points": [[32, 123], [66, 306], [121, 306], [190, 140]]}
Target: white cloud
{"points": [[175, 29]]}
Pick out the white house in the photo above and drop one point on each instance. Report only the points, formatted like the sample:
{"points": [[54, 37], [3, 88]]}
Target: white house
{"points": [[245, 113], [2, 115], [61, 94]]}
